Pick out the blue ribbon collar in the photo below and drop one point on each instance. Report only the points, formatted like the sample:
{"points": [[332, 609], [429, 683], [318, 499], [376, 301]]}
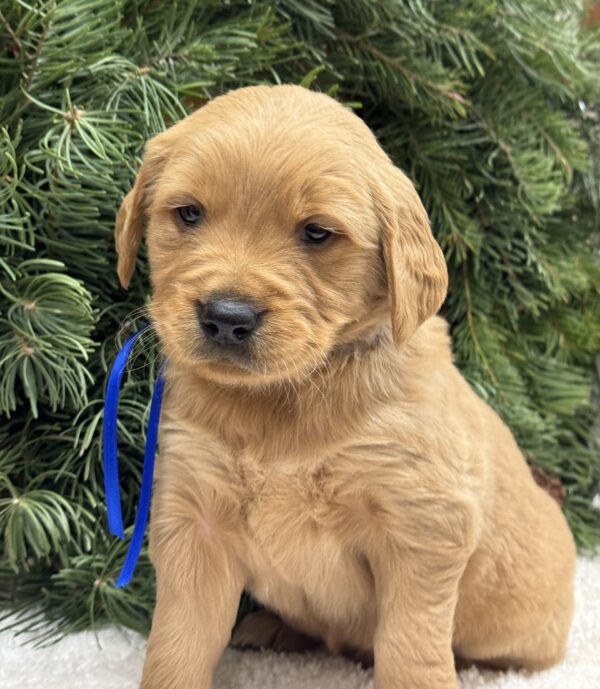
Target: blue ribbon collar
{"points": [[111, 467]]}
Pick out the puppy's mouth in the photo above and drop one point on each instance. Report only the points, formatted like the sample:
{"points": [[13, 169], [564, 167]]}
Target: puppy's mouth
{"points": [[229, 363], [230, 372]]}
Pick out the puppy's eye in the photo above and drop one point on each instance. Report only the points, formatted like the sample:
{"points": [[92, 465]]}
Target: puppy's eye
{"points": [[314, 234], [191, 215]]}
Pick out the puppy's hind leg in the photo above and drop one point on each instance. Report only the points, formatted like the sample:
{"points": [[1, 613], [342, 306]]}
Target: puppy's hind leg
{"points": [[266, 630], [519, 615]]}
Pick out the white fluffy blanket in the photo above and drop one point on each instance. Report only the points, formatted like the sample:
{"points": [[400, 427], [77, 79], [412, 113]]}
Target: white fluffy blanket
{"points": [[113, 658]]}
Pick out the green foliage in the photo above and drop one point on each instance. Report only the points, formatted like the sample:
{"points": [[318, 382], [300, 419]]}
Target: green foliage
{"points": [[489, 105]]}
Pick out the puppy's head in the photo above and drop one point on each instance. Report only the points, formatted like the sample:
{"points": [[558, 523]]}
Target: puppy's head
{"points": [[277, 228]]}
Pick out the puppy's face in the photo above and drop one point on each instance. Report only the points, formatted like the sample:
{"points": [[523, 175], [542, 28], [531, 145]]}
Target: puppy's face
{"points": [[277, 228]]}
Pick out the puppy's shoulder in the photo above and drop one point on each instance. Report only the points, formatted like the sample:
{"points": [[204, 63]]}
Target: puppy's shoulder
{"points": [[432, 340]]}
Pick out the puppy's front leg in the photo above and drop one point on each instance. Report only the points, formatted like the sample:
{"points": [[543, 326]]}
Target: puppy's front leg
{"points": [[416, 598], [199, 583]]}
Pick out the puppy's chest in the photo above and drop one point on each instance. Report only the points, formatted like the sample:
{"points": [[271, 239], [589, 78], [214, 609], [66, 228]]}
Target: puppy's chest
{"points": [[284, 499], [295, 519]]}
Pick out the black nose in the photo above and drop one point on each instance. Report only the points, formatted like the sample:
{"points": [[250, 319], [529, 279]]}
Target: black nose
{"points": [[228, 321]]}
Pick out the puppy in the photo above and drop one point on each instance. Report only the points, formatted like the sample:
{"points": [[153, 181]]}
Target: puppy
{"points": [[318, 447]]}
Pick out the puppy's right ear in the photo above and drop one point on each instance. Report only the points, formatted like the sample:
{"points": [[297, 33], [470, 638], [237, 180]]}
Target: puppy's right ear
{"points": [[417, 276], [131, 218]]}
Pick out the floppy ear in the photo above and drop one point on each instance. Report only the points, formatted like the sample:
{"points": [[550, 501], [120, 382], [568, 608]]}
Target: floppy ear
{"points": [[417, 276], [131, 218]]}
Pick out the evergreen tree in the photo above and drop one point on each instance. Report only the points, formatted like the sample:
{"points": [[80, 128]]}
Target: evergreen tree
{"points": [[487, 104]]}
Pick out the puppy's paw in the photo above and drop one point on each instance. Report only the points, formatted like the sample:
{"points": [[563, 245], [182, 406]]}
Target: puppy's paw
{"points": [[264, 629]]}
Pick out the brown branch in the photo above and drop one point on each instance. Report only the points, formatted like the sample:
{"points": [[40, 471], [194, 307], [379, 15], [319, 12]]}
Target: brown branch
{"points": [[11, 33], [23, 101], [470, 321], [397, 63], [36, 56]]}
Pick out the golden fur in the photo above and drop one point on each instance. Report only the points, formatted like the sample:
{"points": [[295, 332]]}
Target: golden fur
{"points": [[345, 473]]}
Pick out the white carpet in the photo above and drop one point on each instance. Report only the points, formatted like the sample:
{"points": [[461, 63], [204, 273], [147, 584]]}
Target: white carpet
{"points": [[113, 660]]}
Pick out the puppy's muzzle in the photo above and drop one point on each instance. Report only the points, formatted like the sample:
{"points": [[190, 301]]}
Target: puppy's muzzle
{"points": [[229, 322]]}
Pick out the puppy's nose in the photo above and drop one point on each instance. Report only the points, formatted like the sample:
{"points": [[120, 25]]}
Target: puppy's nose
{"points": [[228, 321]]}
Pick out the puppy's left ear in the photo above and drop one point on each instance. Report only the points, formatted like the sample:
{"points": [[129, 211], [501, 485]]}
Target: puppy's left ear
{"points": [[417, 276], [131, 218]]}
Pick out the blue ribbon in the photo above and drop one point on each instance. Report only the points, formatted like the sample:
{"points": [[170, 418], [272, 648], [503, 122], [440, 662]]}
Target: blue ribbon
{"points": [[111, 467]]}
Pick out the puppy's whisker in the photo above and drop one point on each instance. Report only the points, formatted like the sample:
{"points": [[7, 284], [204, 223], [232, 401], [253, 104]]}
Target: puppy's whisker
{"points": [[308, 375], [133, 315], [290, 383], [284, 387], [149, 349]]}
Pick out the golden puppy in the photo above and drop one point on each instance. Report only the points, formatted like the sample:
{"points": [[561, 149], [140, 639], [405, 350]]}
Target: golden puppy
{"points": [[318, 447]]}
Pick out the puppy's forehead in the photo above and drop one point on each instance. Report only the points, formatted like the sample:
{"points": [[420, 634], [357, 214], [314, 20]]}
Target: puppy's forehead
{"points": [[267, 118], [282, 147]]}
